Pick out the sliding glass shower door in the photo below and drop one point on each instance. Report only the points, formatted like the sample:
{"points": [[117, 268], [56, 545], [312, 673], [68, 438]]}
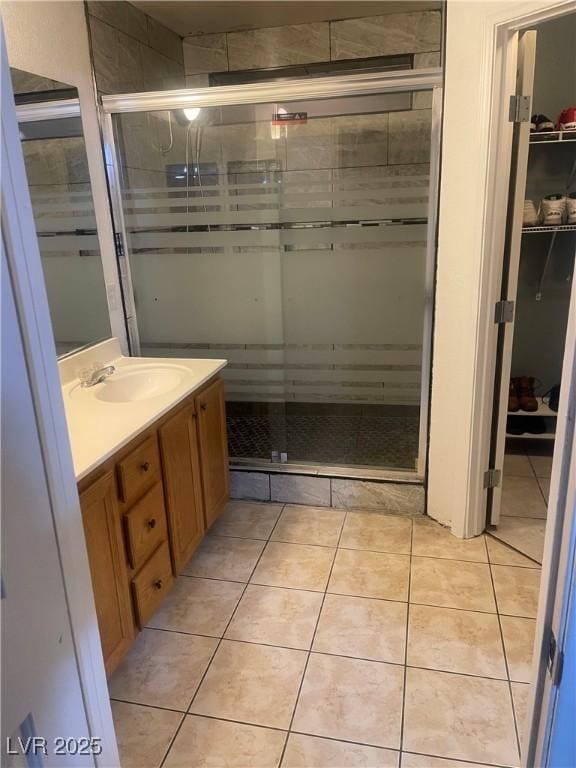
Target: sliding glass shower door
{"points": [[292, 238]]}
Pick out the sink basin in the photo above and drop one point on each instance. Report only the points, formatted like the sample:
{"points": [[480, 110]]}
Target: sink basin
{"points": [[138, 382]]}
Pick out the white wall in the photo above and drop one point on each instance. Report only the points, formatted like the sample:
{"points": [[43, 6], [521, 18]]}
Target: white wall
{"points": [[51, 39], [469, 51]]}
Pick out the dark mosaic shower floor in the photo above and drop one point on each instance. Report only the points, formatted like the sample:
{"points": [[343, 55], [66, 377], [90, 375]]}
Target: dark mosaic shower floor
{"points": [[383, 436]]}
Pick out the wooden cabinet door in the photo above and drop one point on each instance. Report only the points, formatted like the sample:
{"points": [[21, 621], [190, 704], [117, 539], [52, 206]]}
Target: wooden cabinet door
{"points": [[179, 450], [103, 531], [213, 449]]}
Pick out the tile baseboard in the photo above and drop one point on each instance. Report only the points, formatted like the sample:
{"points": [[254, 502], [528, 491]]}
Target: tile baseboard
{"points": [[385, 497]]}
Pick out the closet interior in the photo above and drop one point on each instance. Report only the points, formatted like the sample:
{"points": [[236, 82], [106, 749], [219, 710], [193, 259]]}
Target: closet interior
{"points": [[543, 296]]}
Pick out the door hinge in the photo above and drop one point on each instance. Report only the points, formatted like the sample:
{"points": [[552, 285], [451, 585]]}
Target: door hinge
{"points": [[519, 109], [492, 478], [504, 312], [555, 660]]}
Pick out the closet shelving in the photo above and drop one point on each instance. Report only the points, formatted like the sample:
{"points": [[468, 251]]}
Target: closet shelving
{"points": [[558, 228], [550, 139]]}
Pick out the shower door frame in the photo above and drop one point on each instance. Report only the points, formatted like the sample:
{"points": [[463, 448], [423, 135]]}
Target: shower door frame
{"points": [[373, 83]]}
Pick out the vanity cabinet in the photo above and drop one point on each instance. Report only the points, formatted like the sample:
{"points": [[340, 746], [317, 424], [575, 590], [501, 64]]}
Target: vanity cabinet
{"points": [[147, 508], [182, 484], [103, 531], [213, 449]]}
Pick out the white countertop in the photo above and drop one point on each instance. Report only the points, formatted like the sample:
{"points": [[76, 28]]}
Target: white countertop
{"points": [[98, 429]]}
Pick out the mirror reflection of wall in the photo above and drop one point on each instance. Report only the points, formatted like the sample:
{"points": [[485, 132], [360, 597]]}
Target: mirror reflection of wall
{"points": [[59, 181]]}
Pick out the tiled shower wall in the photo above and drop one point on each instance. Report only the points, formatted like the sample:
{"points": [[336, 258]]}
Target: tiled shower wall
{"points": [[132, 52], [316, 348], [396, 33], [224, 300]]}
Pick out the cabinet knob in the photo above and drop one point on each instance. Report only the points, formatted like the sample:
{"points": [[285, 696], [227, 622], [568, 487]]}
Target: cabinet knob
{"points": [[204, 406], [151, 523], [145, 467], [158, 584]]}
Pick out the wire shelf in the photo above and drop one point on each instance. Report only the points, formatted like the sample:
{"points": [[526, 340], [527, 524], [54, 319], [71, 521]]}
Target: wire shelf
{"points": [[553, 137], [559, 228]]}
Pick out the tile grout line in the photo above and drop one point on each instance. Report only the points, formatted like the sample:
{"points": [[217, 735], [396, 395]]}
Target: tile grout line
{"points": [[403, 709], [324, 592], [505, 658], [326, 653], [312, 641], [537, 565], [218, 644]]}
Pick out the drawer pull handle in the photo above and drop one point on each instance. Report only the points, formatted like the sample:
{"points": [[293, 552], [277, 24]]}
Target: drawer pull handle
{"points": [[204, 406], [151, 523], [146, 466], [158, 584]]}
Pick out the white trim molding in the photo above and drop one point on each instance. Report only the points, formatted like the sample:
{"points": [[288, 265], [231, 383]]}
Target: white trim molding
{"points": [[473, 199]]}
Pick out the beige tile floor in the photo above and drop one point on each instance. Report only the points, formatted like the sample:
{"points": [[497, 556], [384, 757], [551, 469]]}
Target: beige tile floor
{"points": [[308, 638], [525, 489]]}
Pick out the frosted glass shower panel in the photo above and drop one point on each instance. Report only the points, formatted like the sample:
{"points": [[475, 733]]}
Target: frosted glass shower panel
{"points": [[291, 239]]}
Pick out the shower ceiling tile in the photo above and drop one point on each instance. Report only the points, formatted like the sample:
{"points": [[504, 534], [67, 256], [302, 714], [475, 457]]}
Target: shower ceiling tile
{"points": [[386, 35], [205, 53], [279, 46]]}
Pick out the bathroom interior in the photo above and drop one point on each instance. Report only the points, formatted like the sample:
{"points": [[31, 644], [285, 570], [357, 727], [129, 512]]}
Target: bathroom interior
{"points": [[246, 370]]}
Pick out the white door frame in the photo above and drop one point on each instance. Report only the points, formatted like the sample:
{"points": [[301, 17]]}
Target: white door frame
{"points": [[557, 554], [499, 82], [23, 258]]}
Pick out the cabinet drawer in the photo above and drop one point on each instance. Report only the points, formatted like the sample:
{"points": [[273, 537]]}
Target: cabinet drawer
{"points": [[152, 583], [145, 525], [139, 470]]}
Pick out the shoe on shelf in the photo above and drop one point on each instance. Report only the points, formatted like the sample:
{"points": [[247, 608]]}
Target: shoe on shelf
{"points": [[567, 119], [540, 123], [530, 215], [571, 208], [525, 387], [515, 425], [513, 401], [554, 398], [536, 425], [552, 210]]}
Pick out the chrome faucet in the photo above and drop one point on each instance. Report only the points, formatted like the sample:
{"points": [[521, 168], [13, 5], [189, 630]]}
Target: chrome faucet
{"points": [[92, 376]]}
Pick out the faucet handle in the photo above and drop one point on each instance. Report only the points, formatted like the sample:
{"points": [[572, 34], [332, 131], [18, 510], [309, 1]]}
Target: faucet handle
{"points": [[85, 374]]}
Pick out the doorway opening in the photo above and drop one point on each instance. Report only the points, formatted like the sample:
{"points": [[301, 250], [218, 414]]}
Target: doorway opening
{"points": [[538, 279]]}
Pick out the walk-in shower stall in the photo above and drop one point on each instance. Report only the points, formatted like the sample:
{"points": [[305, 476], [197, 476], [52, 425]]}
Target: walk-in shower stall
{"points": [[288, 227]]}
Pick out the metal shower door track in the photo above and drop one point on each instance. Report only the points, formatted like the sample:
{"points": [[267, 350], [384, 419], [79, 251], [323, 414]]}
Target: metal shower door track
{"points": [[262, 93], [48, 110], [294, 90]]}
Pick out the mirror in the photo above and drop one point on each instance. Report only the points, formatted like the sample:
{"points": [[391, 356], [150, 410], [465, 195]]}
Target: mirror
{"points": [[57, 170]]}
